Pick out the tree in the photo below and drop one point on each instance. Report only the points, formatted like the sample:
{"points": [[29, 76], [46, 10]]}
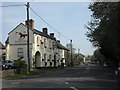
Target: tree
{"points": [[104, 30], [99, 57]]}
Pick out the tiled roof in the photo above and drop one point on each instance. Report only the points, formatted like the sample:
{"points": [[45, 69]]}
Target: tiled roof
{"points": [[42, 34], [60, 46], [2, 46]]}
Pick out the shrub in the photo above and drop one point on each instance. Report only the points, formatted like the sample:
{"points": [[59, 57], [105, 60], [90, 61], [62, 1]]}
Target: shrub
{"points": [[20, 66]]}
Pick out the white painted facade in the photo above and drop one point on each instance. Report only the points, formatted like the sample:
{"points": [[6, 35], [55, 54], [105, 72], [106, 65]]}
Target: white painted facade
{"points": [[43, 50]]}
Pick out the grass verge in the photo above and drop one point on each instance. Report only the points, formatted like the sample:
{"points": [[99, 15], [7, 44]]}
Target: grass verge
{"points": [[34, 72]]}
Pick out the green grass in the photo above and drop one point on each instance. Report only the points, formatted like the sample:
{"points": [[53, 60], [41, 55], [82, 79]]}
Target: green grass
{"points": [[15, 75], [34, 72]]}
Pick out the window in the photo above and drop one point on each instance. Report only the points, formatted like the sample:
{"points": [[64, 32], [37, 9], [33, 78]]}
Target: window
{"points": [[50, 44], [37, 40], [45, 43], [54, 45], [50, 57], [44, 57], [20, 52]]}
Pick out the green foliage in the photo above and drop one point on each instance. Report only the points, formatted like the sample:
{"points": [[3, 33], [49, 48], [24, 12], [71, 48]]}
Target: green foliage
{"points": [[99, 57], [104, 30], [20, 66]]}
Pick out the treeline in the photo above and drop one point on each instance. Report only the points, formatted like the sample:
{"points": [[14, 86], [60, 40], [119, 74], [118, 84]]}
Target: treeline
{"points": [[104, 29]]}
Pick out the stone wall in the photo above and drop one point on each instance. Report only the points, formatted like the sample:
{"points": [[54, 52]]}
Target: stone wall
{"points": [[6, 73]]}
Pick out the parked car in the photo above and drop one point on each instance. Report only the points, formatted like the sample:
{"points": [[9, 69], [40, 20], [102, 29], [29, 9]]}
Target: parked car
{"points": [[0, 65], [117, 72], [105, 65], [7, 64]]}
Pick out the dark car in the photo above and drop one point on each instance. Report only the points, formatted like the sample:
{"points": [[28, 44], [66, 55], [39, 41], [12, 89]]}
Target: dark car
{"points": [[106, 65], [117, 72], [7, 64]]}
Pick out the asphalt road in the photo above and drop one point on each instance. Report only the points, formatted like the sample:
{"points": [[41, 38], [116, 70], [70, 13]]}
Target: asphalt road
{"points": [[85, 76]]}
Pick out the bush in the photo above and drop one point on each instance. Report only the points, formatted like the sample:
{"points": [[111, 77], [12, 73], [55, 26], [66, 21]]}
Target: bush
{"points": [[20, 66]]}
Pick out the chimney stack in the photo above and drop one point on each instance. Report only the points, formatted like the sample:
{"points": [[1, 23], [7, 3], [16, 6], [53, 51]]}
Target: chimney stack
{"points": [[45, 30], [58, 41], [52, 35], [31, 23]]}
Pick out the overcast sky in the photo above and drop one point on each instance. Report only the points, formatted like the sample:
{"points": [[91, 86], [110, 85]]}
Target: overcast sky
{"points": [[69, 18]]}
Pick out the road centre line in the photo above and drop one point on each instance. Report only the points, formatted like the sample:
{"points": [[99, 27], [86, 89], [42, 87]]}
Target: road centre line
{"points": [[66, 83], [73, 88]]}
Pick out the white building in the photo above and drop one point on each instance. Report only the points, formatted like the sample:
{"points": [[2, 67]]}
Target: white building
{"points": [[44, 49], [2, 51]]}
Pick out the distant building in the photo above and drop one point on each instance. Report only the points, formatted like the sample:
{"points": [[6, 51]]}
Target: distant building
{"points": [[68, 46], [2, 51], [78, 58], [44, 49], [88, 59]]}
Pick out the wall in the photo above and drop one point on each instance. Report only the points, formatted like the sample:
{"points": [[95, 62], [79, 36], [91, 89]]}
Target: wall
{"points": [[16, 41]]}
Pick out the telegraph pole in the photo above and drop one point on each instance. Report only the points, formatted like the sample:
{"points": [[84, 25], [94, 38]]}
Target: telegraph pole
{"points": [[71, 53], [78, 51], [28, 65]]}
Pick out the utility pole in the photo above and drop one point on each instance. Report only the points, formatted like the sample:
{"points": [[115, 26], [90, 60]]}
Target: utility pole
{"points": [[28, 64], [78, 51], [71, 53], [79, 56]]}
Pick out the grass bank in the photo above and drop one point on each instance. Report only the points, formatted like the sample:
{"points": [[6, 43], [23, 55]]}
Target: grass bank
{"points": [[33, 72]]}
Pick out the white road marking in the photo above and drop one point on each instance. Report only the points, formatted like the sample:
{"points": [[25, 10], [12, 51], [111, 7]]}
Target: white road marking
{"points": [[88, 68], [73, 88], [66, 83]]}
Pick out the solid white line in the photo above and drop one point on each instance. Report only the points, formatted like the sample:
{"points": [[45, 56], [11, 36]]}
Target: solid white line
{"points": [[73, 88]]}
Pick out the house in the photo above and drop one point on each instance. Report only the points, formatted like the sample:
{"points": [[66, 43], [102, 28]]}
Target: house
{"points": [[2, 51], [44, 49]]}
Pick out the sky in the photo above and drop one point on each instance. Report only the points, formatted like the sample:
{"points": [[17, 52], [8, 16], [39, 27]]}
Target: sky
{"points": [[68, 18]]}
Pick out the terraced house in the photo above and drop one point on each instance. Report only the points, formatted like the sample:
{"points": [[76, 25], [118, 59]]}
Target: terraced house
{"points": [[44, 49]]}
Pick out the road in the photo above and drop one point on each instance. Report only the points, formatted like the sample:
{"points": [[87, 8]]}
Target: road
{"points": [[85, 76]]}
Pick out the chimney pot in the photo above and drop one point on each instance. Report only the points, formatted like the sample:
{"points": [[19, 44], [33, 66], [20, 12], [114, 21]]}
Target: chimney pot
{"points": [[30, 23], [45, 30], [58, 41], [52, 35]]}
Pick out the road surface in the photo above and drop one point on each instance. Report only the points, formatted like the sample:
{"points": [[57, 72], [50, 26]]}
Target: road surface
{"points": [[85, 76]]}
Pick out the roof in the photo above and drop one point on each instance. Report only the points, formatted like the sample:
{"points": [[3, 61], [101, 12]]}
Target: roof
{"points": [[60, 46], [35, 31], [43, 34], [16, 27], [2, 46], [7, 41]]}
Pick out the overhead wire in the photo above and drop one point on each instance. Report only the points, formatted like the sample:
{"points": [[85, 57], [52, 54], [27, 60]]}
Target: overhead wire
{"points": [[13, 5], [44, 20], [48, 24], [38, 16]]}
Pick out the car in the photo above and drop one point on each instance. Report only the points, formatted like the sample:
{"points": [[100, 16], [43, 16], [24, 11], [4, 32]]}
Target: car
{"points": [[117, 72], [7, 64], [106, 65], [0, 65]]}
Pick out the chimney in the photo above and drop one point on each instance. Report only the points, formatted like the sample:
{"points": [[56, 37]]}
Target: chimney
{"points": [[31, 23], [58, 41], [52, 35], [45, 30]]}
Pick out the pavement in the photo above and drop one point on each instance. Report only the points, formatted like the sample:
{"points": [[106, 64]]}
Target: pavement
{"points": [[85, 76]]}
